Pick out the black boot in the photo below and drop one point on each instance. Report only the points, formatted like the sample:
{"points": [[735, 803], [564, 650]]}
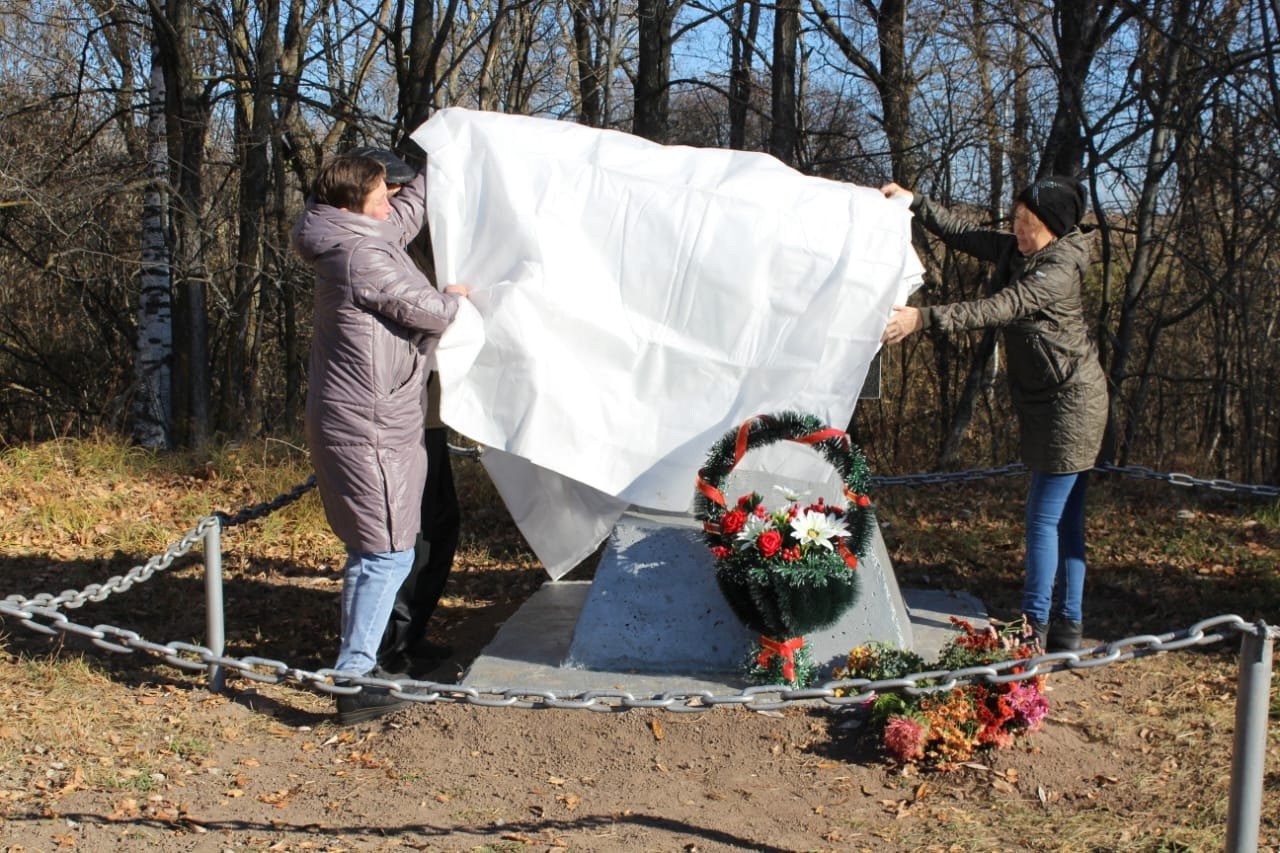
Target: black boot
{"points": [[368, 704], [1064, 635]]}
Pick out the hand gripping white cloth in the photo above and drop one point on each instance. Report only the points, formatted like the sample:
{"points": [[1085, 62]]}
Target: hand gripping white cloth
{"points": [[631, 302]]}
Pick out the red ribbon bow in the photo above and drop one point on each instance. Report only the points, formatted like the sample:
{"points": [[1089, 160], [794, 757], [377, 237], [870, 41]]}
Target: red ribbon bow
{"points": [[770, 649]]}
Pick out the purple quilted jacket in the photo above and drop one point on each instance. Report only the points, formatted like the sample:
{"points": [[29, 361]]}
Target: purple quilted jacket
{"points": [[377, 318]]}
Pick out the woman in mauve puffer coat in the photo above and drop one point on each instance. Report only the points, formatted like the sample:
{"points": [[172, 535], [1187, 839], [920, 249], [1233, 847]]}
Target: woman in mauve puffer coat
{"points": [[377, 318], [1055, 377]]}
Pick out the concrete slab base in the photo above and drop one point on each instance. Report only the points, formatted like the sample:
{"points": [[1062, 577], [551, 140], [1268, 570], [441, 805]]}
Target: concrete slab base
{"points": [[653, 621], [655, 607]]}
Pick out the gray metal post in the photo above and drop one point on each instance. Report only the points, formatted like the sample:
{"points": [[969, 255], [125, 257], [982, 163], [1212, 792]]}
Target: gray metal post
{"points": [[215, 633], [1248, 754]]}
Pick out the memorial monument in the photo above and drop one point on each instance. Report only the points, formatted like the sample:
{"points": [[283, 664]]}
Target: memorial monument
{"points": [[629, 303]]}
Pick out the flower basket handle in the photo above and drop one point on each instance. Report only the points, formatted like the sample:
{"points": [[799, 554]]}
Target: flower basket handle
{"points": [[762, 430]]}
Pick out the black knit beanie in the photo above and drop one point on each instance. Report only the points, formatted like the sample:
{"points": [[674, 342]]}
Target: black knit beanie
{"points": [[1058, 201]]}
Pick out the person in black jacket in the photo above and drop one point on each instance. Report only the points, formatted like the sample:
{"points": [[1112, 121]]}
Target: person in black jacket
{"points": [[1055, 377]]}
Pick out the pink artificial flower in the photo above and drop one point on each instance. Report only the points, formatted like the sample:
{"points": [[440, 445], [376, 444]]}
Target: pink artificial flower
{"points": [[1028, 704], [904, 738]]}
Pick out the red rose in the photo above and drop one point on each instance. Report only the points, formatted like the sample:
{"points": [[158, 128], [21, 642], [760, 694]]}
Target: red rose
{"points": [[769, 543], [733, 521]]}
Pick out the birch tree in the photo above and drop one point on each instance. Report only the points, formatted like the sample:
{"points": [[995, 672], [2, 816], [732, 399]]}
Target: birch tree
{"points": [[152, 412]]}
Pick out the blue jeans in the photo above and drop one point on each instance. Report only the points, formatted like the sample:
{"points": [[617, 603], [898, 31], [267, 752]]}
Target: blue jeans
{"points": [[369, 586], [1054, 583]]}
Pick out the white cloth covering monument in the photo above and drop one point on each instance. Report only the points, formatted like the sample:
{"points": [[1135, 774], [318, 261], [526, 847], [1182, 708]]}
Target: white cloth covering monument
{"points": [[633, 301]]}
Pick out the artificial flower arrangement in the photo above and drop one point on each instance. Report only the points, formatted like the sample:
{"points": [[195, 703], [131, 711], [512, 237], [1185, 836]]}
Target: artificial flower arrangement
{"points": [[788, 568], [943, 729]]}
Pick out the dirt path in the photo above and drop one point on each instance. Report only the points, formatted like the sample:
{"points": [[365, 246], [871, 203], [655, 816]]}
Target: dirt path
{"points": [[266, 769]]}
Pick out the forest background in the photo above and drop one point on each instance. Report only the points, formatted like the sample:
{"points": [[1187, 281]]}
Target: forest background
{"points": [[153, 157], [154, 154]]}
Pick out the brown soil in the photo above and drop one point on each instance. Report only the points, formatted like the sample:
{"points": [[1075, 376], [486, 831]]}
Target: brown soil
{"points": [[265, 768], [102, 751]]}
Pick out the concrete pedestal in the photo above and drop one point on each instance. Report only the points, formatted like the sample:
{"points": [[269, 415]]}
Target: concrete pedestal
{"points": [[653, 620], [655, 607]]}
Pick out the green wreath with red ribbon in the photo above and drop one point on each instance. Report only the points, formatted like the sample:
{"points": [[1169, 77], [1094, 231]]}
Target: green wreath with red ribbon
{"points": [[790, 568]]}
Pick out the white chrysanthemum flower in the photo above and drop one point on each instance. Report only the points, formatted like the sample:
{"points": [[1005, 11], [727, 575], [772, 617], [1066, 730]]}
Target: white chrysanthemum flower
{"points": [[790, 494], [818, 528], [751, 530]]}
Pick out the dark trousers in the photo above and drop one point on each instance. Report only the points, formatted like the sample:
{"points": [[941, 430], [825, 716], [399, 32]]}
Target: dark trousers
{"points": [[433, 553]]}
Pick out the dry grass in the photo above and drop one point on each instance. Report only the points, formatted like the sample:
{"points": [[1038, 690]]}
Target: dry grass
{"points": [[73, 513]]}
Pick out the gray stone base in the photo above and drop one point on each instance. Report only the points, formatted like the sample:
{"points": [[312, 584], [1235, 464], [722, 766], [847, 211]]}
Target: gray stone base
{"points": [[653, 620], [655, 606]]}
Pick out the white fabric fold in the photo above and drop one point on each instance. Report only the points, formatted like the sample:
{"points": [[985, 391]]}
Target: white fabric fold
{"points": [[631, 302]]}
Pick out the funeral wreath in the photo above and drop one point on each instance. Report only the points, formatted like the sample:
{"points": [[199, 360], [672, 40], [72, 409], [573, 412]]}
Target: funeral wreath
{"points": [[786, 567]]}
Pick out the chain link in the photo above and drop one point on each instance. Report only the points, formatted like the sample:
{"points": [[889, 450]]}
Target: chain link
{"points": [[1137, 472], [251, 513], [42, 613], [761, 698], [119, 583], [1015, 469], [1188, 481]]}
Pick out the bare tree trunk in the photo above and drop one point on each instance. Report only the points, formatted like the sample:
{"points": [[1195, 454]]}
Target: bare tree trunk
{"points": [[742, 53], [896, 87], [418, 71], [588, 45], [1146, 251], [152, 412], [653, 68], [979, 377], [892, 79], [1080, 29], [296, 155], [187, 111], [784, 127], [519, 85], [487, 90], [241, 411]]}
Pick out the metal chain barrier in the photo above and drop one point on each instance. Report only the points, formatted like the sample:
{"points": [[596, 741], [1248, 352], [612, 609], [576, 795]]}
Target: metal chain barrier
{"points": [[42, 614], [1015, 469], [262, 510], [766, 697], [46, 604], [1137, 472], [119, 583], [1186, 480]]}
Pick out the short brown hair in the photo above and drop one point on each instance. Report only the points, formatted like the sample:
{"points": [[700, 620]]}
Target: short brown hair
{"points": [[346, 181]]}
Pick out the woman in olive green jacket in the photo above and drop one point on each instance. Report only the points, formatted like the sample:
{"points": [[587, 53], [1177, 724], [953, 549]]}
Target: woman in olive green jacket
{"points": [[1055, 377]]}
